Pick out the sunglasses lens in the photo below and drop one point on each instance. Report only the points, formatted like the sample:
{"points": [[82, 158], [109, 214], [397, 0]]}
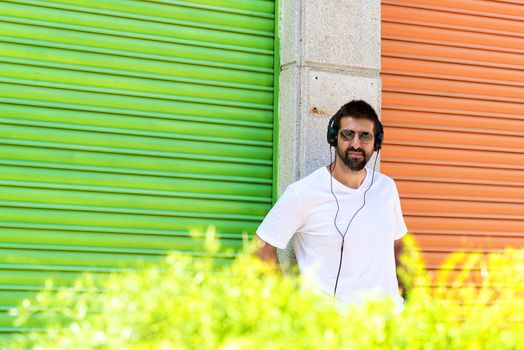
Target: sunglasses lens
{"points": [[365, 137], [348, 135]]}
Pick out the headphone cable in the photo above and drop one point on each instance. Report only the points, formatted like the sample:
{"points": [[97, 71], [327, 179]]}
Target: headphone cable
{"points": [[343, 236]]}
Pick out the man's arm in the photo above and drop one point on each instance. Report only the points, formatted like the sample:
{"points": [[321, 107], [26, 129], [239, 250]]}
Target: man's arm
{"points": [[278, 227], [399, 248], [266, 251]]}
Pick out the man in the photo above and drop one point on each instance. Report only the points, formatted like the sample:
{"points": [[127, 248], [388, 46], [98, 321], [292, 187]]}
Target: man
{"points": [[344, 218]]}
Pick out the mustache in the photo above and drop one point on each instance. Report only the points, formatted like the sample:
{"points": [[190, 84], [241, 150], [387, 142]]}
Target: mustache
{"points": [[352, 149]]}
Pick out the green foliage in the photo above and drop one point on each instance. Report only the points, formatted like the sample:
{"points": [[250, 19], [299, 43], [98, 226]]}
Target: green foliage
{"points": [[188, 303]]}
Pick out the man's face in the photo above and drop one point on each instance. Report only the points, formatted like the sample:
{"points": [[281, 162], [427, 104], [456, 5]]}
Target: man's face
{"points": [[355, 153]]}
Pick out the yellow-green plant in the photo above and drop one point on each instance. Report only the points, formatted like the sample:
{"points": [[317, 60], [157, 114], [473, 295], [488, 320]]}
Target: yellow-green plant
{"points": [[194, 303]]}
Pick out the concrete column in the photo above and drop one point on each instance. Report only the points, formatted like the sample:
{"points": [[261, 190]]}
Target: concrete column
{"points": [[329, 55]]}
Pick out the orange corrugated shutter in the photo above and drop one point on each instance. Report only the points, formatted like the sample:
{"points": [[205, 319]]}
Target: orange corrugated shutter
{"points": [[453, 110]]}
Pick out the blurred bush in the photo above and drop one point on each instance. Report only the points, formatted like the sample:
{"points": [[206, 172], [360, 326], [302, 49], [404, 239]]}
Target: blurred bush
{"points": [[475, 302]]}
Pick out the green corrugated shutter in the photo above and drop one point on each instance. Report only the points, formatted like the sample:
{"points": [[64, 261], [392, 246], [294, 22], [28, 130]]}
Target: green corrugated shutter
{"points": [[123, 126]]}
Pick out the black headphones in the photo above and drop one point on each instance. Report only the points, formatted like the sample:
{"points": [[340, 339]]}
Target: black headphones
{"points": [[332, 133]]}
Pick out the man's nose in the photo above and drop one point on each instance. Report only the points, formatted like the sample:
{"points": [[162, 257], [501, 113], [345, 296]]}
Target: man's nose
{"points": [[355, 143]]}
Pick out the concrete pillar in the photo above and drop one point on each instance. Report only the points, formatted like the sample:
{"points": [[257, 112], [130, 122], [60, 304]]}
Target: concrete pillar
{"points": [[329, 55]]}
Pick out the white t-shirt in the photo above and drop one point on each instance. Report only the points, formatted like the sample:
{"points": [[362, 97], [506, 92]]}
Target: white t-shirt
{"points": [[306, 213]]}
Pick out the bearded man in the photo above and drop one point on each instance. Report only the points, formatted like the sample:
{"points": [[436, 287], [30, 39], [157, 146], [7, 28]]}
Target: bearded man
{"points": [[344, 219]]}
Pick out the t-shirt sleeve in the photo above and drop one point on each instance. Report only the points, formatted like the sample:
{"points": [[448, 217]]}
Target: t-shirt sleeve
{"points": [[400, 225], [282, 221]]}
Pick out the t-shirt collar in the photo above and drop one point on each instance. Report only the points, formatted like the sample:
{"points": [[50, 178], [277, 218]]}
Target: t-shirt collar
{"points": [[364, 185]]}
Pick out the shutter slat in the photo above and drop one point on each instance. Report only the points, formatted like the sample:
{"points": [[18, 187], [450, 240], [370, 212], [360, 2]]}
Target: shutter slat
{"points": [[452, 71], [73, 180], [209, 135], [131, 85], [117, 242], [62, 93], [111, 142], [398, 47], [38, 30], [106, 22], [152, 120], [125, 63]]}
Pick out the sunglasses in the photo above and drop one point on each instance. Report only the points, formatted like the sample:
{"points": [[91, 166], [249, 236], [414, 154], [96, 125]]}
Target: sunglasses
{"points": [[364, 136]]}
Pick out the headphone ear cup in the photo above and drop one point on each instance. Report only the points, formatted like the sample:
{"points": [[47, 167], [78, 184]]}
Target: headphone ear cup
{"points": [[332, 136], [332, 132], [379, 138]]}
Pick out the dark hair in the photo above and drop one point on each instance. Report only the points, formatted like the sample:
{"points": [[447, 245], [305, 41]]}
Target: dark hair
{"points": [[357, 109]]}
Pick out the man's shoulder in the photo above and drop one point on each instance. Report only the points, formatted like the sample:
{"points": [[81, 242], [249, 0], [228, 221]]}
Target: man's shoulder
{"points": [[385, 178], [385, 181]]}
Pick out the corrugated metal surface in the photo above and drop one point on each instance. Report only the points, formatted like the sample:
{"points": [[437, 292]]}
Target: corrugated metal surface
{"points": [[453, 109], [123, 126]]}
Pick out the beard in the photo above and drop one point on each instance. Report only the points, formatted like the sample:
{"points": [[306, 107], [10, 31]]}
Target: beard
{"points": [[354, 164]]}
